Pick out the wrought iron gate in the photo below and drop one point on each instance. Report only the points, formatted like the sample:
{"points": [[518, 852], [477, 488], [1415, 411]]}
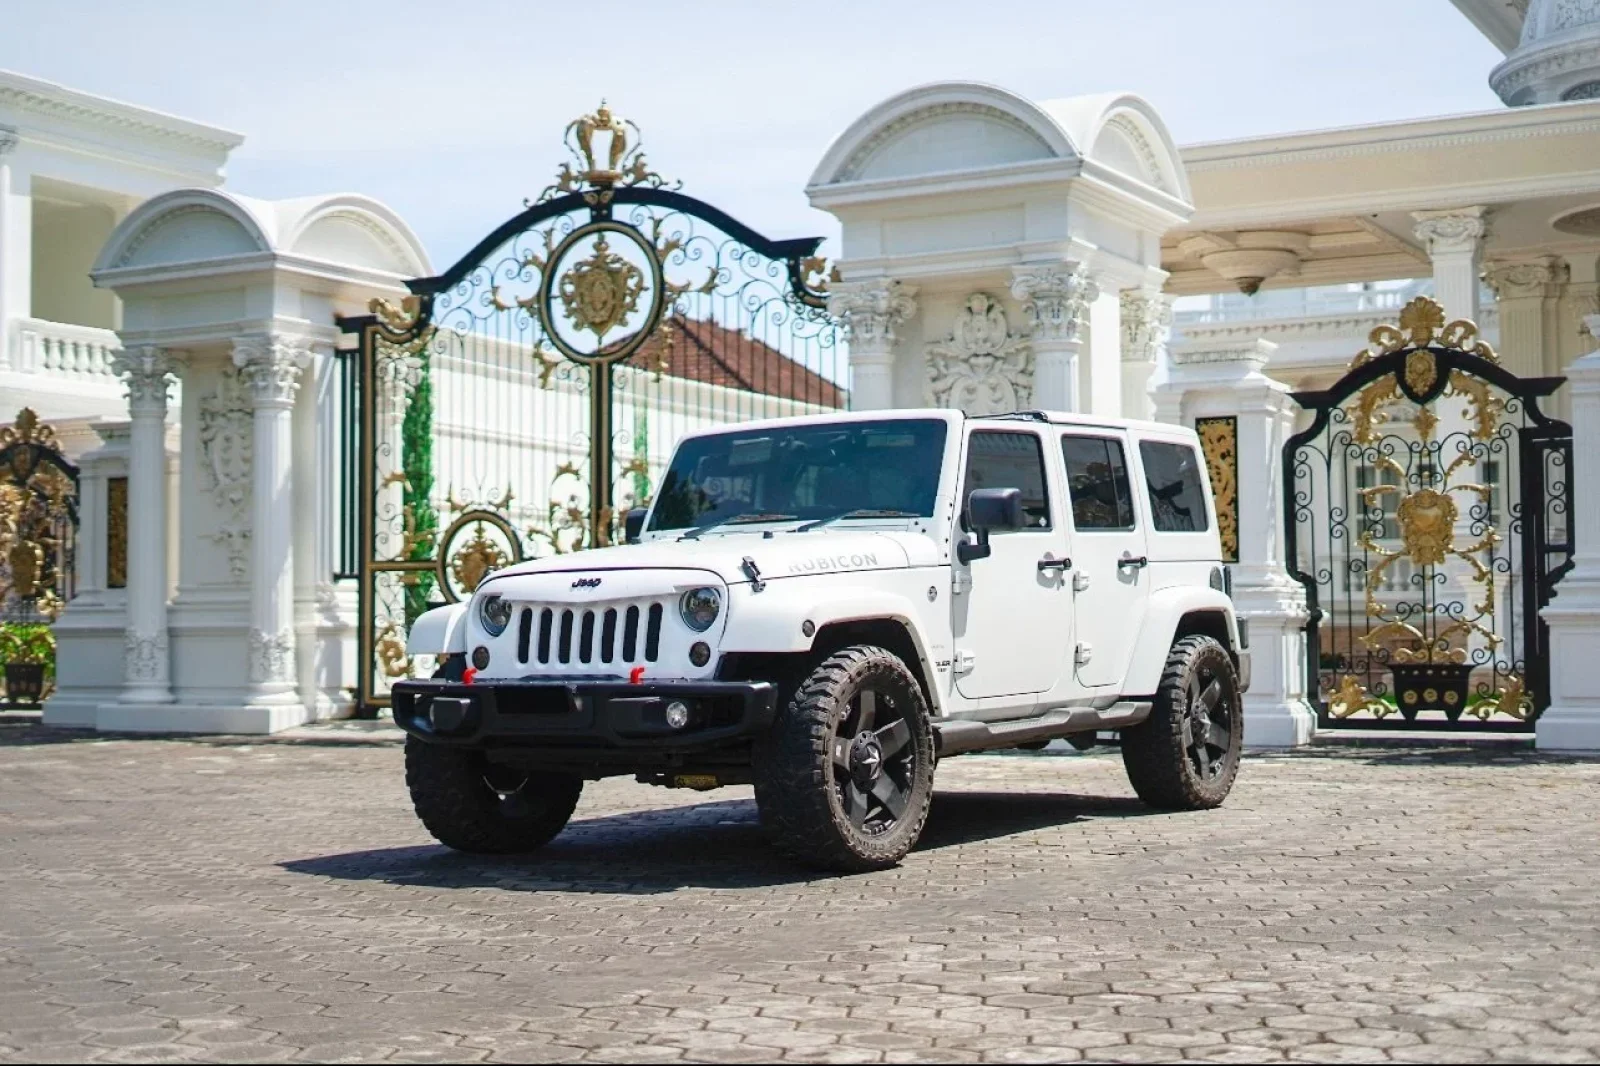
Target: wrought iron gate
{"points": [[1428, 536], [519, 403], [38, 522]]}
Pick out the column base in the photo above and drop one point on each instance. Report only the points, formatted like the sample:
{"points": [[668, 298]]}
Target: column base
{"points": [[199, 718], [146, 694], [1572, 721], [1573, 728], [78, 709], [1272, 723]]}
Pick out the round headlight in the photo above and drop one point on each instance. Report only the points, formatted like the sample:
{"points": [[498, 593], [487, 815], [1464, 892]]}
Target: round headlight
{"points": [[700, 608], [495, 614]]}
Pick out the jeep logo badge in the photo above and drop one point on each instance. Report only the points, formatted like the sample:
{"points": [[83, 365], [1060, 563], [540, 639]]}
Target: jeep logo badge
{"points": [[586, 583]]}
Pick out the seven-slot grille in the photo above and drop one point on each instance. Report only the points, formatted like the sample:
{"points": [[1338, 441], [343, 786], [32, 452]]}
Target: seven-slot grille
{"points": [[564, 636]]}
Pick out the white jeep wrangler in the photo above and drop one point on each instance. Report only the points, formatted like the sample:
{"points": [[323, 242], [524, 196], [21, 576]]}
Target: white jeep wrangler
{"points": [[826, 606]]}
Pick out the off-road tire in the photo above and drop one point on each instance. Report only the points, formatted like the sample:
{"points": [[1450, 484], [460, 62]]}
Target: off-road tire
{"points": [[1159, 753], [451, 792], [801, 798]]}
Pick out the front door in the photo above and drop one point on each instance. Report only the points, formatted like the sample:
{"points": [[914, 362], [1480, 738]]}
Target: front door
{"points": [[1109, 573], [1013, 625]]}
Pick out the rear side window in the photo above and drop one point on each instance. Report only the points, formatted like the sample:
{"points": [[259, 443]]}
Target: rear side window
{"points": [[1172, 474], [997, 460], [1097, 479]]}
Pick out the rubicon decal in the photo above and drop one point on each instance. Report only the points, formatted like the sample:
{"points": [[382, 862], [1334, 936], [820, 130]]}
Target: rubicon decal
{"points": [[823, 563]]}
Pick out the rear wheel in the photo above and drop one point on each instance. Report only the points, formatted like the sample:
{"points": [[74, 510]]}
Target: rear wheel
{"points": [[473, 805], [1185, 756], [845, 779]]}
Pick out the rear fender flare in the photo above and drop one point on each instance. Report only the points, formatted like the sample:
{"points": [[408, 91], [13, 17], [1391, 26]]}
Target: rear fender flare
{"points": [[1166, 610]]}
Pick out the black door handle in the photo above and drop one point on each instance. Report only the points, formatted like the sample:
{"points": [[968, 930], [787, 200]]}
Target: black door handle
{"points": [[1135, 561], [1048, 563]]}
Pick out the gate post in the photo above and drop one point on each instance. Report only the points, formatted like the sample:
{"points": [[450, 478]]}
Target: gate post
{"points": [[1222, 383], [1572, 720]]}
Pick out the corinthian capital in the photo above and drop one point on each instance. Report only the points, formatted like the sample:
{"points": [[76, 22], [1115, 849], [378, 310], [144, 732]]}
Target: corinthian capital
{"points": [[1055, 298], [870, 310], [149, 371], [1457, 231], [1146, 324], [270, 364], [1543, 276]]}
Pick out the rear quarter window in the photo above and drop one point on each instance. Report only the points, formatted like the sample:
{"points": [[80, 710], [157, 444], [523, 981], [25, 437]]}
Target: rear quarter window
{"points": [[1172, 474]]}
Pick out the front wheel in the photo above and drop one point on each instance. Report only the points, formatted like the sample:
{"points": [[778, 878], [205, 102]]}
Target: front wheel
{"points": [[845, 779], [476, 806], [1185, 756]]}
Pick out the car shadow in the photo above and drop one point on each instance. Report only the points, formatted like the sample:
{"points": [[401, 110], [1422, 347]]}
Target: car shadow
{"points": [[716, 844]]}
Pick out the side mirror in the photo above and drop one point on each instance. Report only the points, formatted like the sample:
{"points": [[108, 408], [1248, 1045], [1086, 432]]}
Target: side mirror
{"points": [[633, 524], [988, 510]]}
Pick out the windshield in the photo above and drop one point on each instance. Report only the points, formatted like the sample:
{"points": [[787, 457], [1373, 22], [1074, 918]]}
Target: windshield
{"points": [[803, 473]]}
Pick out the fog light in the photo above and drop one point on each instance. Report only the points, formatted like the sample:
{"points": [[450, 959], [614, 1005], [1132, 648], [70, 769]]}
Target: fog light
{"points": [[677, 714], [700, 653], [480, 657]]}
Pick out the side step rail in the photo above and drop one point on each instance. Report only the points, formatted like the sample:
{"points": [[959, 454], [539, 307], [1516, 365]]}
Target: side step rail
{"points": [[954, 737]]}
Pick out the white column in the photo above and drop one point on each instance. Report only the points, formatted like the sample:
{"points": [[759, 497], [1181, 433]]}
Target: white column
{"points": [[1572, 721], [1454, 240], [271, 365], [1526, 293], [16, 245], [1146, 326], [1226, 380], [870, 311], [1056, 298], [147, 667]]}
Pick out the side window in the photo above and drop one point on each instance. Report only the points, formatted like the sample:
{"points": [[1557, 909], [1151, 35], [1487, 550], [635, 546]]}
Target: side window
{"points": [[1172, 473], [1097, 480], [998, 460]]}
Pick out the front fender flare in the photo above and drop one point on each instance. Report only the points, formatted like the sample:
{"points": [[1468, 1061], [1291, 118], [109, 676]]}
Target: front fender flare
{"points": [[441, 631], [1166, 609]]}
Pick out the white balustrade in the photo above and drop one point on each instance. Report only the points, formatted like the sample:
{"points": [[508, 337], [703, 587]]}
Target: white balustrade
{"points": [[43, 347]]}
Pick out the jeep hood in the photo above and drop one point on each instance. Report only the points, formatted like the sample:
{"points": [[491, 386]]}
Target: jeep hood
{"points": [[779, 556]]}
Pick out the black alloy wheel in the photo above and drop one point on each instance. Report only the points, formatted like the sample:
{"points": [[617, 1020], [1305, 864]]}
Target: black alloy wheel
{"points": [[874, 762], [1185, 756]]}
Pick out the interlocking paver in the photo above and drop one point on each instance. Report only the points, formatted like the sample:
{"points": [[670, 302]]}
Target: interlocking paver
{"points": [[230, 900]]}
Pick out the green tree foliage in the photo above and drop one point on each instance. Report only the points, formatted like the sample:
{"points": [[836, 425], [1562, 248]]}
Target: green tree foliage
{"points": [[416, 459]]}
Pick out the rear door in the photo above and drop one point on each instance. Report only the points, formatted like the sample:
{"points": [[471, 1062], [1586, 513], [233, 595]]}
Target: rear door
{"points": [[1108, 578]]}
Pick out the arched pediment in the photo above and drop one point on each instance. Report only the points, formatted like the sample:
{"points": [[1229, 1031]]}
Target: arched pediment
{"points": [[357, 231], [189, 225], [944, 128], [1126, 135]]}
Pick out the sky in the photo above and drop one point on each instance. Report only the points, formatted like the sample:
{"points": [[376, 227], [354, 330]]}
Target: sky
{"points": [[452, 113]]}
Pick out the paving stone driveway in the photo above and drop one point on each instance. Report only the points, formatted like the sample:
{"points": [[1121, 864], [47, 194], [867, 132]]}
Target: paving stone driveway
{"points": [[226, 900]]}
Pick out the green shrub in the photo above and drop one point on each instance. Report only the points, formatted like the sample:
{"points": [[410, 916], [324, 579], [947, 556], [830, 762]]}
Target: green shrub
{"points": [[28, 642]]}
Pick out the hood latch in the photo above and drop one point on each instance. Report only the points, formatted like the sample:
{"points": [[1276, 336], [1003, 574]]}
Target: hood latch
{"points": [[753, 572]]}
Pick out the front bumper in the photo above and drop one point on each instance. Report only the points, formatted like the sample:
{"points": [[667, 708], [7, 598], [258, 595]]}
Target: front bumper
{"points": [[592, 717]]}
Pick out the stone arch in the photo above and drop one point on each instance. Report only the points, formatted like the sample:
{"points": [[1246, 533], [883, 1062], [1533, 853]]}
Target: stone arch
{"points": [[1124, 133], [943, 128]]}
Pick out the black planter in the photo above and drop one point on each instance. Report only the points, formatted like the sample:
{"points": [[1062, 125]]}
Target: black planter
{"points": [[24, 684], [1431, 687]]}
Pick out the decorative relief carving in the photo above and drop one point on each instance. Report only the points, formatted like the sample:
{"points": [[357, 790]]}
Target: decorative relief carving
{"points": [[225, 448], [270, 365], [1141, 145], [1219, 441], [145, 655], [982, 367], [1056, 298], [271, 655], [870, 311], [1146, 325], [117, 533], [851, 170]]}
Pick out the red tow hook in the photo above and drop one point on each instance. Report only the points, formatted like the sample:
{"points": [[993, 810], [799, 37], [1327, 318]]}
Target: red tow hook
{"points": [[636, 676], [468, 674]]}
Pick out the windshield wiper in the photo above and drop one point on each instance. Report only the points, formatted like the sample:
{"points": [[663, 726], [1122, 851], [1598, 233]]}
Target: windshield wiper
{"points": [[737, 520], [859, 512]]}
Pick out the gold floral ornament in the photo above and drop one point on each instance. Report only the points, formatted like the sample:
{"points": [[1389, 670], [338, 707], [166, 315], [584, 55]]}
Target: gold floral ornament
{"points": [[1511, 699], [1351, 697], [391, 652], [600, 292], [476, 559], [1427, 526], [27, 429]]}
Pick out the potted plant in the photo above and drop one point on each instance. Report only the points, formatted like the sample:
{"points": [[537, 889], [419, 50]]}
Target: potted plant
{"points": [[28, 652]]}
